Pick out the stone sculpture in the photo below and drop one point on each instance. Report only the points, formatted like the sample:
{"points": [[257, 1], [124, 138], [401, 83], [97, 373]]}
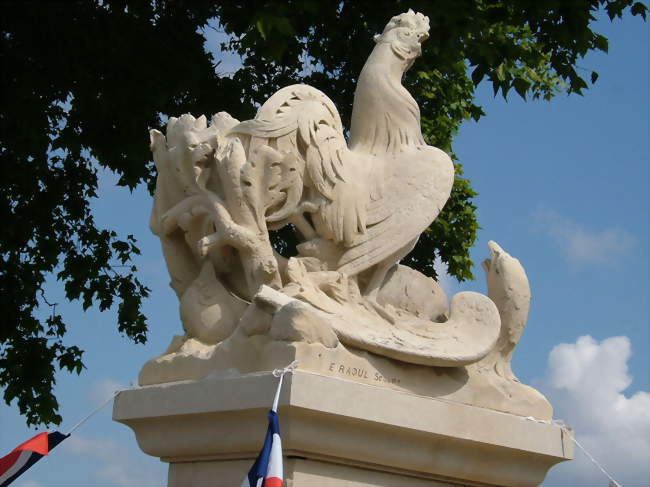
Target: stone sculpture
{"points": [[343, 304]]}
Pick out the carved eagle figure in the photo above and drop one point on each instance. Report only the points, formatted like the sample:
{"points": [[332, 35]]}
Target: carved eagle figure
{"points": [[373, 197]]}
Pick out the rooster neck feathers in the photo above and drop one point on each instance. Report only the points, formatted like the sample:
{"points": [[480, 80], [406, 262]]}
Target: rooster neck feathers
{"points": [[385, 117]]}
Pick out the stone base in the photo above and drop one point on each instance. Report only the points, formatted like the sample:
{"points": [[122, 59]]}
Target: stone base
{"points": [[297, 472], [188, 359], [335, 432]]}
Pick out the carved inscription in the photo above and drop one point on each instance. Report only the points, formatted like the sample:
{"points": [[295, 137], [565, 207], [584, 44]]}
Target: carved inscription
{"points": [[346, 370]]}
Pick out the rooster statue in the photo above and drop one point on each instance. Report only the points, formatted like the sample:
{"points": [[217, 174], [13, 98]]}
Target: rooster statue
{"points": [[373, 198], [358, 207]]}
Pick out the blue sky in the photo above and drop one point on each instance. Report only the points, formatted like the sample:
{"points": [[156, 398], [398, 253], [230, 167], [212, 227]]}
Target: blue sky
{"points": [[564, 187]]}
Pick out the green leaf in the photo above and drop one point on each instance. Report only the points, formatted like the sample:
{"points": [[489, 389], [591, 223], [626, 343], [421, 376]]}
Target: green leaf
{"points": [[501, 72], [478, 74], [639, 9], [594, 77], [521, 86], [601, 43], [261, 27]]}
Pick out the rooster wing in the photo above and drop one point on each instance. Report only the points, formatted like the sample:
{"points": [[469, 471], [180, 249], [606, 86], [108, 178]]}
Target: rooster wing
{"points": [[418, 184]]}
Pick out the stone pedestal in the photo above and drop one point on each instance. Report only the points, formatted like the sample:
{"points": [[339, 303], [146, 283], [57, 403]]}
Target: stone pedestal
{"points": [[335, 432]]}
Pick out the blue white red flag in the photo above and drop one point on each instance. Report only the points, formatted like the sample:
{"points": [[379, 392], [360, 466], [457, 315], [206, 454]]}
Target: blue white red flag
{"points": [[267, 470], [27, 454]]}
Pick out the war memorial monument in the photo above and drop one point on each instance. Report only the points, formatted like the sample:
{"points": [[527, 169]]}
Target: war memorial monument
{"points": [[397, 385]]}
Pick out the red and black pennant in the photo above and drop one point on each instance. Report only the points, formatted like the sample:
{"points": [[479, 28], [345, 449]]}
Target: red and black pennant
{"points": [[27, 454]]}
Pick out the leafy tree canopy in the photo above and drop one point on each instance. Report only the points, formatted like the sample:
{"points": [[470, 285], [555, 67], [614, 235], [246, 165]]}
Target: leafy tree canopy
{"points": [[83, 82]]}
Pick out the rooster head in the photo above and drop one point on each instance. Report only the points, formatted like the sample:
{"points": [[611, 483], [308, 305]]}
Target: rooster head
{"points": [[405, 33]]}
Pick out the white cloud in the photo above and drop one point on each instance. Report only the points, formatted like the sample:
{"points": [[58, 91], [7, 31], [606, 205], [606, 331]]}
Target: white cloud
{"points": [[103, 389], [117, 466], [581, 245], [585, 383]]}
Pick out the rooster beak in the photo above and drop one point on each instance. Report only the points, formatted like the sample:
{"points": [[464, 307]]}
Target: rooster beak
{"points": [[486, 265]]}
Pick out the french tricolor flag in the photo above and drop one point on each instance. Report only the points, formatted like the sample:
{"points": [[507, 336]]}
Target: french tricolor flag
{"points": [[267, 470], [27, 454]]}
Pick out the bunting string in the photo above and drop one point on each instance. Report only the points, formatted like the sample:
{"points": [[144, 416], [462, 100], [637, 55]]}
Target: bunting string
{"points": [[565, 428], [93, 412]]}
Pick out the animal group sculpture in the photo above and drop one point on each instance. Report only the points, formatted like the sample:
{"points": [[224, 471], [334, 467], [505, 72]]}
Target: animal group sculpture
{"points": [[357, 206]]}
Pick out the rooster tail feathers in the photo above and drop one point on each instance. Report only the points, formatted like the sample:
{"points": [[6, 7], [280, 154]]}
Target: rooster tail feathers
{"points": [[304, 131], [303, 121], [314, 163], [265, 129], [332, 155]]}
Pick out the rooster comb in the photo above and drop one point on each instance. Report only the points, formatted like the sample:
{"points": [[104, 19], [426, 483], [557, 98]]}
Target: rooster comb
{"points": [[413, 20]]}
